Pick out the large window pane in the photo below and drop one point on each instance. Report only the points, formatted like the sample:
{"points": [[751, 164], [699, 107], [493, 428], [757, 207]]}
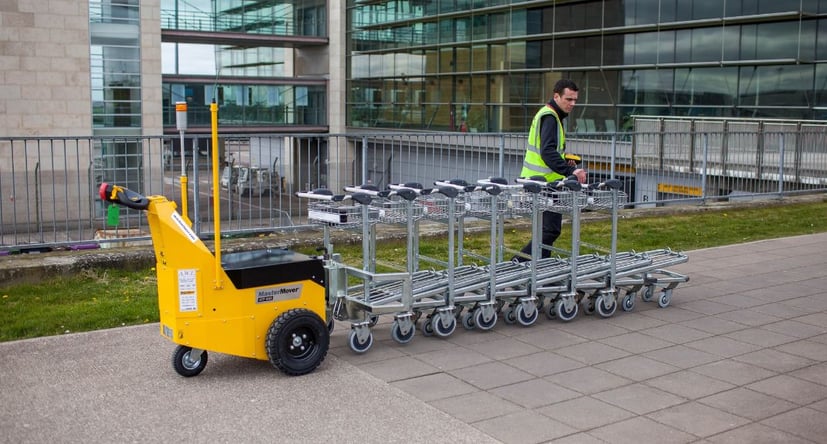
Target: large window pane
{"points": [[641, 12], [706, 86], [821, 86], [777, 86], [641, 48], [769, 41]]}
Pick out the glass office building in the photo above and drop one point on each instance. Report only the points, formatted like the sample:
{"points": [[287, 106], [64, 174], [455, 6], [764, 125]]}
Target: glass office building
{"points": [[469, 65], [241, 54]]}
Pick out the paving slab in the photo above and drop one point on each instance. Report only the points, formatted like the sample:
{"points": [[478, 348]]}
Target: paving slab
{"points": [[741, 358]]}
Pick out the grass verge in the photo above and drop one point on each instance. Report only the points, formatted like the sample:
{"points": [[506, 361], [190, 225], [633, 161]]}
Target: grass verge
{"points": [[99, 299]]}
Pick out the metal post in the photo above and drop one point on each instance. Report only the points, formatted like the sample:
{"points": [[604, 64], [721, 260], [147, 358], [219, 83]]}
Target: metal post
{"points": [[219, 281], [364, 159], [781, 165], [703, 172], [181, 124], [195, 189], [614, 156], [501, 169]]}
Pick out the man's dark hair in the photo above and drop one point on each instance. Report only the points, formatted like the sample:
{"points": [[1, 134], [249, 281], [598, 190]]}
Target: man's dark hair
{"points": [[563, 84]]}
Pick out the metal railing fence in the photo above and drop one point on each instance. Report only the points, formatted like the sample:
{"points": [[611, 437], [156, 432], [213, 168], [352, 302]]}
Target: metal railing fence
{"points": [[49, 198]]}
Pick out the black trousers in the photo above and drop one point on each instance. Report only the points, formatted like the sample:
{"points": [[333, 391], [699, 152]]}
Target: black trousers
{"points": [[552, 223]]}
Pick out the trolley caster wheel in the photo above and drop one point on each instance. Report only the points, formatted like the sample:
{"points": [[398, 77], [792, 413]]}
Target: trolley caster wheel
{"points": [[526, 316], [500, 305], [588, 305], [550, 311], [508, 315], [467, 320], [628, 302], [185, 364], [398, 336], [647, 294], [359, 345], [665, 298], [482, 323], [442, 330], [330, 325], [427, 327], [297, 342], [563, 312], [605, 306], [372, 320], [540, 302]]}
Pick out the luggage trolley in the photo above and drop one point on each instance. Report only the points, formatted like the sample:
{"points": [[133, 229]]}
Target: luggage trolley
{"points": [[508, 280], [398, 206], [608, 196], [463, 284], [359, 304], [630, 271], [563, 281], [654, 280]]}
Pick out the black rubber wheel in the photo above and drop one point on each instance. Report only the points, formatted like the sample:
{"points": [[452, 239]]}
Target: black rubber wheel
{"points": [[297, 341], [184, 363]]}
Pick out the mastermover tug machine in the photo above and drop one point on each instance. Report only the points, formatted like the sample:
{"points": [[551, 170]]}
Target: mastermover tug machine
{"points": [[267, 304]]}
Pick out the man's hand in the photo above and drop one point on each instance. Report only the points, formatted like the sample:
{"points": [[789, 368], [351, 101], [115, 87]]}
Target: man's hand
{"points": [[581, 175]]}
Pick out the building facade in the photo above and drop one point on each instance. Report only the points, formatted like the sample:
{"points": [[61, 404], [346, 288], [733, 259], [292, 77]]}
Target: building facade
{"points": [[486, 66], [119, 66]]}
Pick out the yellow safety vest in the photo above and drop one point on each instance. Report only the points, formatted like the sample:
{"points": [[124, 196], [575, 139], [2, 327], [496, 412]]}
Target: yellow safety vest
{"points": [[533, 164]]}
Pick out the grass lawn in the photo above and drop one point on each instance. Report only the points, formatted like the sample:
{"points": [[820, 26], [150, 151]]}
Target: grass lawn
{"points": [[98, 299]]}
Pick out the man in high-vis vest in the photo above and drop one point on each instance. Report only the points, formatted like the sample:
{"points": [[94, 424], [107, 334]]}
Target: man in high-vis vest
{"points": [[545, 154]]}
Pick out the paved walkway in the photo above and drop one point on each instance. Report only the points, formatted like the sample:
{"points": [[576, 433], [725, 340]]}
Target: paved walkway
{"points": [[740, 356]]}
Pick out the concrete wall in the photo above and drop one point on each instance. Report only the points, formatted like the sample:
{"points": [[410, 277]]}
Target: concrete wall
{"points": [[45, 82]]}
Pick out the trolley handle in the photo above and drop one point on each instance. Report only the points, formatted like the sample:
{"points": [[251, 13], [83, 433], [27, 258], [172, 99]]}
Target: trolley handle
{"points": [[458, 184], [322, 194], [413, 186], [500, 182], [611, 184], [370, 190], [534, 182]]}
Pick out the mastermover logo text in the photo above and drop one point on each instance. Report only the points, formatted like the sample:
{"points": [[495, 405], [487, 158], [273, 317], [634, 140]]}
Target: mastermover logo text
{"points": [[265, 295]]}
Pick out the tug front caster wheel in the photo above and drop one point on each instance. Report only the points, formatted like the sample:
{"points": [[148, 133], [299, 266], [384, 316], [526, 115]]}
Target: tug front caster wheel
{"points": [[186, 363], [297, 341]]}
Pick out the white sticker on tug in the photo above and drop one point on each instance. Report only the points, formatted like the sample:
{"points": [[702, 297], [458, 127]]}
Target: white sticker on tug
{"points": [[274, 294]]}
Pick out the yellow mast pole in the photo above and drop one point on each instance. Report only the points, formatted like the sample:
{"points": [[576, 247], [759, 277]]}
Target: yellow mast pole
{"points": [[215, 195]]}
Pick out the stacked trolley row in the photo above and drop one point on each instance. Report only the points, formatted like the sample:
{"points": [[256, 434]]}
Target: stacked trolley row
{"points": [[592, 280], [477, 294]]}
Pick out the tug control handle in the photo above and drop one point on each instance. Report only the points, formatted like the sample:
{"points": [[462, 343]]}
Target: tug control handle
{"points": [[123, 196]]}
